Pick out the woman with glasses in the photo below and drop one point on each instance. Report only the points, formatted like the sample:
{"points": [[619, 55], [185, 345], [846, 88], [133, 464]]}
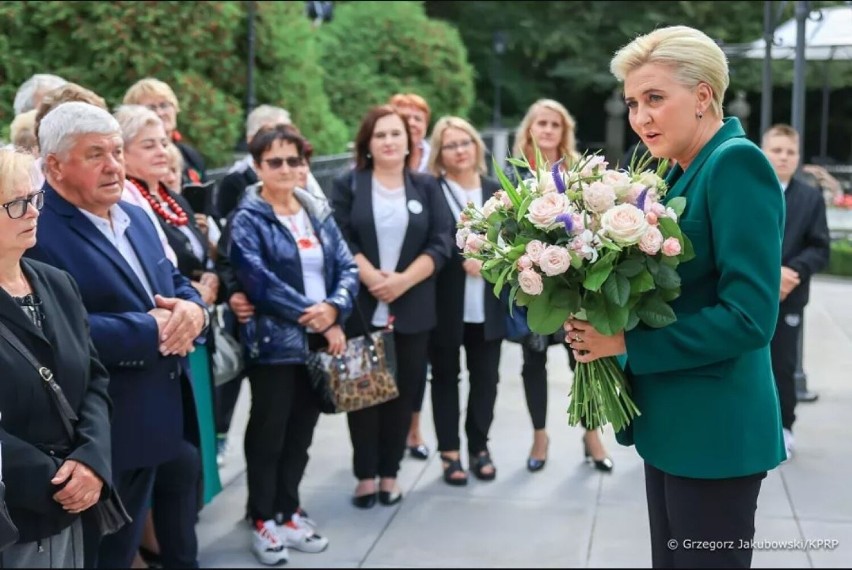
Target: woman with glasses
{"points": [[293, 265], [51, 477], [399, 231], [469, 314], [160, 98]]}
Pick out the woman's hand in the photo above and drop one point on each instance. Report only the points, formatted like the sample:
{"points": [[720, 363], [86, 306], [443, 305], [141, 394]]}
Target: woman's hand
{"points": [[336, 340], [243, 309], [203, 291], [319, 317], [82, 487], [588, 344], [211, 281], [472, 267], [391, 287], [201, 222]]}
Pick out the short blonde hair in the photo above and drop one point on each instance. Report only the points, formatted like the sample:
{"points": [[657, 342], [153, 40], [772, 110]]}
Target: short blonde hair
{"points": [[15, 165], [436, 162], [523, 138], [150, 87], [692, 54], [133, 118], [22, 131]]}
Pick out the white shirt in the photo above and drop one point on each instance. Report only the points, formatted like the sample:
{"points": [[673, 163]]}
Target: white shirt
{"points": [[390, 213], [131, 195], [424, 158], [474, 287], [116, 233], [299, 226]]}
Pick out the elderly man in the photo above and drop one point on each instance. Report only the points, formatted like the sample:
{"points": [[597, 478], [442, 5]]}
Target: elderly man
{"points": [[32, 90], [143, 315]]}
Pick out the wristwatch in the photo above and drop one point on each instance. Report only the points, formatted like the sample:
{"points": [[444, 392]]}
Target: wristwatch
{"points": [[206, 325]]}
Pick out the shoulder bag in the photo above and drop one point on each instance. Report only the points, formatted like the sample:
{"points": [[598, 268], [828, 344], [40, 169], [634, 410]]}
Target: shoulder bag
{"points": [[109, 514], [8, 530]]}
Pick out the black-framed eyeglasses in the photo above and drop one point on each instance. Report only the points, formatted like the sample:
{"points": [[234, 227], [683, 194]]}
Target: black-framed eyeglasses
{"points": [[457, 145], [278, 162], [18, 208]]}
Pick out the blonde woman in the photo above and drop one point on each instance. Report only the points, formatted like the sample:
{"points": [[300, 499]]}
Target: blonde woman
{"points": [[469, 315], [550, 127], [710, 427]]}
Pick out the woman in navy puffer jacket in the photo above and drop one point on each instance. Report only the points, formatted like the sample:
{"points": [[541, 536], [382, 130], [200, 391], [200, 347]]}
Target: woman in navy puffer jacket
{"points": [[298, 272]]}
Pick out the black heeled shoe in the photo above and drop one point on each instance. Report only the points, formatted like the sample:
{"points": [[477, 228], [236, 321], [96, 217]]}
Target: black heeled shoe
{"points": [[604, 464], [367, 501], [419, 451], [478, 464], [388, 498], [534, 464]]}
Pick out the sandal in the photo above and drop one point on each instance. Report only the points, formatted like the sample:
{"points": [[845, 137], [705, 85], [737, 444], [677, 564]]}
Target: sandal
{"points": [[480, 462], [453, 466]]}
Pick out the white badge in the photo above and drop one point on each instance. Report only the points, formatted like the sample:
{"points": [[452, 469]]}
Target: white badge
{"points": [[415, 207]]}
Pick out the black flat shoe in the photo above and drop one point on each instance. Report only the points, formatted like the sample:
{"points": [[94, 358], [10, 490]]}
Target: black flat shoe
{"points": [[387, 498], [365, 501], [604, 464], [419, 451]]}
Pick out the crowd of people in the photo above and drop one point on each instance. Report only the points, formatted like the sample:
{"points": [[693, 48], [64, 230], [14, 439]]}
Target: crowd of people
{"points": [[111, 277]]}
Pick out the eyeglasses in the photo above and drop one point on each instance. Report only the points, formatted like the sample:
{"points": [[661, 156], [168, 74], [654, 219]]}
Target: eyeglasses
{"points": [[457, 145], [278, 162], [164, 106], [18, 208]]}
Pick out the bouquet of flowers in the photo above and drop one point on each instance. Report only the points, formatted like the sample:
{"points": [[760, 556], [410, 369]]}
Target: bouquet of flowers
{"points": [[586, 242]]}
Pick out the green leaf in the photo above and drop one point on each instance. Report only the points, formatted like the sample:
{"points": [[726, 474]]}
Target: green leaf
{"points": [[498, 285], [677, 204], [598, 274], [523, 299], [543, 318], [630, 266], [566, 298], [524, 206], [616, 289], [655, 312], [632, 321], [642, 282], [607, 318], [507, 185], [688, 251], [669, 228], [667, 277]]}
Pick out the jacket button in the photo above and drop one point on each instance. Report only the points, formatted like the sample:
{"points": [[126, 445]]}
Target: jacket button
{"points": [[52, 452], [266, 339], [172, 375]]}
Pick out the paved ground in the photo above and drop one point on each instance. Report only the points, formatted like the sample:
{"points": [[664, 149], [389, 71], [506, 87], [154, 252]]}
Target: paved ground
{"points": [[567, 515]]}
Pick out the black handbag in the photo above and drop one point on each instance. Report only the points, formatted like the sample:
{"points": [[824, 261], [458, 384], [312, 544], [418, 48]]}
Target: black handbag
{"points": [[364, 376], [109, 514], [8, 530]]}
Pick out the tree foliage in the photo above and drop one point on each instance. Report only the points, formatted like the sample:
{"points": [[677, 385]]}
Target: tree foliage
{"points": [[375, 49]]}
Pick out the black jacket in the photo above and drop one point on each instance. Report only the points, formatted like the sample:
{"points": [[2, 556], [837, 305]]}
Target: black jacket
{"points": [[194, 170], [231, 189], [30, 428], [429, 232], [451, 282], [807, 242]]}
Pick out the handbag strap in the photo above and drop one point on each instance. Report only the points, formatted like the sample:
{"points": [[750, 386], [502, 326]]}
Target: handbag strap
{"points": [[66, 412]]}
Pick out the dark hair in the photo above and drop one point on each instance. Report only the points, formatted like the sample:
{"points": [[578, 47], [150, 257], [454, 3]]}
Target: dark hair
{"points": [[365, 134], [263, 140]]}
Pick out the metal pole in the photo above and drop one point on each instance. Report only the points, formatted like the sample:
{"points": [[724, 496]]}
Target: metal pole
{"points": [[499, 46], [823, 127], [766, 94], [798, 111], [800, 378]]}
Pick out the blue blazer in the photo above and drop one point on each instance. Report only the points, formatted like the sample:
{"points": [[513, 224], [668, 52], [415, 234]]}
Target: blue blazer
{"points": [[145, 387]]}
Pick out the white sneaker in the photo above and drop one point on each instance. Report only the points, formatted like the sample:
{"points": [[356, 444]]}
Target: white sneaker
{"points": [[789, 443], [302, 537], [267, 545], [302, 520]]}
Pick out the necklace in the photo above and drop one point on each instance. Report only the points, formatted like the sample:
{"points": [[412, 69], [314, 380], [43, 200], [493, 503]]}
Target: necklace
{"points": [[306, 239], [177, 216]]}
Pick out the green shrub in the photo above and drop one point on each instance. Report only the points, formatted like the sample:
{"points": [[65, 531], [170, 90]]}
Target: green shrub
{"points": [[840, 260], [372, 50]]}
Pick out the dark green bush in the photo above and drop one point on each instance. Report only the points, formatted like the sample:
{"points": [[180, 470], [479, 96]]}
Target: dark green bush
{"points": [[840, 260]]}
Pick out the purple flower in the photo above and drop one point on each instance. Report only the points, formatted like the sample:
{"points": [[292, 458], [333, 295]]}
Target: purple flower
{"points": [[640, 201], [567, 221], [557, 177]]}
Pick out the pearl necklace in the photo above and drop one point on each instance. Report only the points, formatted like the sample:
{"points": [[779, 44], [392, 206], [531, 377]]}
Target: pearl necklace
{"points": [[177, 216]]}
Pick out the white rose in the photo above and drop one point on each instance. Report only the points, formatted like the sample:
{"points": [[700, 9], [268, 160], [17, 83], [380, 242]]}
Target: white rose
{"points": [[652, 241], [595, 162], [490, 206], [546, 183], [599, 197], [625, 224], [530, 282], [555, 260], [461, 237], [618, 181], [543, 211], [649, 178]]}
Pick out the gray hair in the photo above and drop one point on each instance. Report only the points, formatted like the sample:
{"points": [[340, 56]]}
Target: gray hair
{"points": [[133, 118], [61, 126], [265, 115], [38, 83]]}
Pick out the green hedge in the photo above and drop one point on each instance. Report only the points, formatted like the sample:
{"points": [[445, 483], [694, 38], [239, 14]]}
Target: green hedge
{"points": [[840, 260]]}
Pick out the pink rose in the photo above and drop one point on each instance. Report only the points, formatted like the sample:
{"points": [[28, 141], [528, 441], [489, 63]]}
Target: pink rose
{"points": [[624, 224], [651, 218], [474, 243], [534, 250], [490, 206], [543, 210], [530, 282], [656, 208], [461, 237], [524, 262], [651, 241], [634, 192], [671, 247], [504, 199], [599, 197], [593, 163], [555, 260]]}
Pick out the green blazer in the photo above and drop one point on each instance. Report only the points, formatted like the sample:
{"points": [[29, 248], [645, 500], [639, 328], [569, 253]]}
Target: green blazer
{"points": [[704, 384]]}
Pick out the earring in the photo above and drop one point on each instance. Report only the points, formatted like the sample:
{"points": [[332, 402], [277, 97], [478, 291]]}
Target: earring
{"points": [[369, 155], [699, 115], [407, 152]]}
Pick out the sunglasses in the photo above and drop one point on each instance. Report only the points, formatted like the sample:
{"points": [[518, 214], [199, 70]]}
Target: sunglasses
{"points": [[18, 208], [278, 162]]}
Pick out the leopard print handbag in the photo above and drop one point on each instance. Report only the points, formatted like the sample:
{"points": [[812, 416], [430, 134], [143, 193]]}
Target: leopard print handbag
{"points": [[364, 376]]}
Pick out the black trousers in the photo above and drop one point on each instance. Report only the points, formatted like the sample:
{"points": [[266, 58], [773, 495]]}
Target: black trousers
{"points": [[419, 395], [135, 487], [534, 374], [378, 433], [784, 348], [280, 430], [176, 496], [226, 395], [483, 363], [701, 523]]}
